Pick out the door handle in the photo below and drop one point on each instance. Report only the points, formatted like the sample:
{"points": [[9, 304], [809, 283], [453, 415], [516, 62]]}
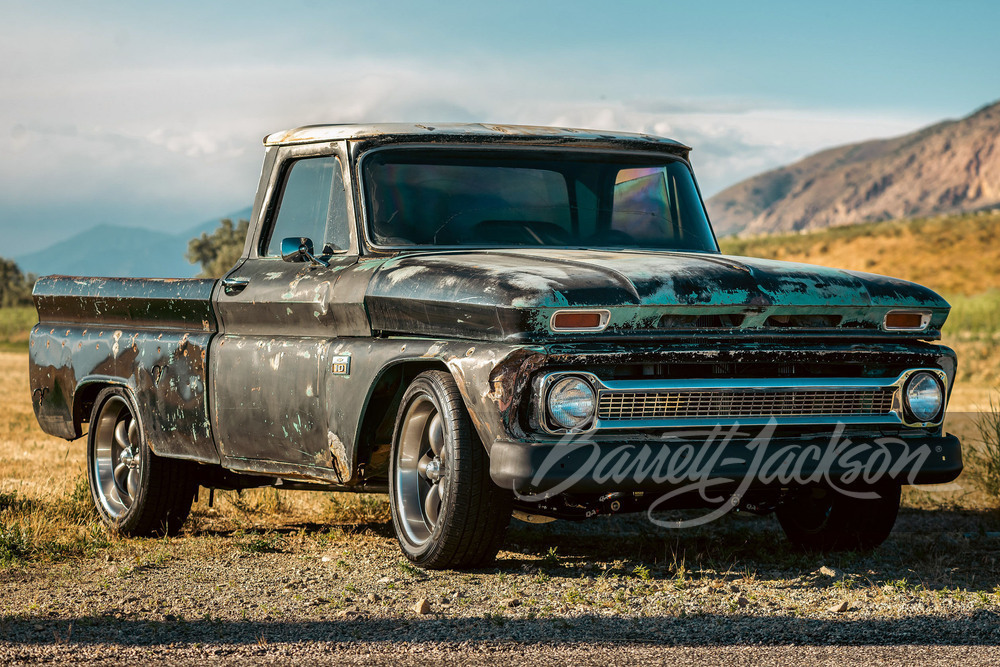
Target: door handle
{"points": [[233, 286]]}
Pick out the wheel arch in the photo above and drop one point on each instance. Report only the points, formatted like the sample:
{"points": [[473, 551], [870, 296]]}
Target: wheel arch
{"points": [[378, 414], [86, 393]]}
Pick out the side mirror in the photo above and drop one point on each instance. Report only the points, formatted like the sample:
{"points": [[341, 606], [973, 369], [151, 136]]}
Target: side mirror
{"points": [[299, 249], [296, 249]]}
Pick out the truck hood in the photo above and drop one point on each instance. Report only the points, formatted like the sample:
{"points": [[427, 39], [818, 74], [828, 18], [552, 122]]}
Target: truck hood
{"points": [[506, 294]]}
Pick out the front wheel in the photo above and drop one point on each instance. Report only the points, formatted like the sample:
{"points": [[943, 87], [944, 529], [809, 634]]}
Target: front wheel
{"points": [[135, 491], [446, 510], [824, 520]]}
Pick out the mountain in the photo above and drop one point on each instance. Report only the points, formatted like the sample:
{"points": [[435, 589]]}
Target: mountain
{"points": [[118, 251], [949, 167]]}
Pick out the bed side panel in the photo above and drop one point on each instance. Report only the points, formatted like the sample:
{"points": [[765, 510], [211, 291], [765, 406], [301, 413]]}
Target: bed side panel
{"points": [[151, 336]]}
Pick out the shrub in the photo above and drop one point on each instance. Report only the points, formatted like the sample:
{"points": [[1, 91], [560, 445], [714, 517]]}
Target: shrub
{"points": [[985, 461]]}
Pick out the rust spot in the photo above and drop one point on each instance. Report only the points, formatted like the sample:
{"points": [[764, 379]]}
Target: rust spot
{"points": [[509, 378], [336, 456]]}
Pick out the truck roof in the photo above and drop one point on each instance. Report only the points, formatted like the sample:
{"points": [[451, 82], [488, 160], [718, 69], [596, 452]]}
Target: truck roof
{"points": [[484, 132]]}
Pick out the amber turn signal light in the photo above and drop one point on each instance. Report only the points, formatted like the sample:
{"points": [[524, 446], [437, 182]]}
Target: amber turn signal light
{"points": [[906, 320], [579, 320]]}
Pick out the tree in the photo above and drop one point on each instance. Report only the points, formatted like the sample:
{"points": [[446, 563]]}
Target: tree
{"points": [[15, 287], [218, 253]]}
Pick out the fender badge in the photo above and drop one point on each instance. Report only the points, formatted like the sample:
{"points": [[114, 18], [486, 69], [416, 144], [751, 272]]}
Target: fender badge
{"points": [[341, 365]]}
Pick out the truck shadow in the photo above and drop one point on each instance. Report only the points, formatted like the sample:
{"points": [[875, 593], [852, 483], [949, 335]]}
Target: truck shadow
{"points": [[928, 550], [980, 629]]}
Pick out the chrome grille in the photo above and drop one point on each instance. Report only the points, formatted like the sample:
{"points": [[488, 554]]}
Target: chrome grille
{"points": [[735, 403]]}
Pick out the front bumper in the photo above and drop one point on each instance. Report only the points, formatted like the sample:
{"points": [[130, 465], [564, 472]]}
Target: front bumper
{"points": [[543, 470]]}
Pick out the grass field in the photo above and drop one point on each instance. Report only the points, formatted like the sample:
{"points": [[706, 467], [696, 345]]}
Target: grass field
{"points": [[45, 509], [15, 325]]}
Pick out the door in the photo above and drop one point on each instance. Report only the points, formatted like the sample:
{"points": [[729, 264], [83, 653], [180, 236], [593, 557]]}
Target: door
{"points": [[279, 318]]}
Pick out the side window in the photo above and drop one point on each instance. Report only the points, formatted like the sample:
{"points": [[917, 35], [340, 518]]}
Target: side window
{"points": [[313, 204]]}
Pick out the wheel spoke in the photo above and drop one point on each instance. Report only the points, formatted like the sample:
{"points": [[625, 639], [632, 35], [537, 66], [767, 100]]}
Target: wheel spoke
{"points": [[132, 485], [109, 489], [123, 484], [432, 506], [121, 435], [422, 465], [133, 435], [114, 495], [435, 434], [413, 431]]}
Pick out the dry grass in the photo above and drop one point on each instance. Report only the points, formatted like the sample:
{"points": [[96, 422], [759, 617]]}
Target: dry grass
{"points": [[32, 464], [44, 502], [984, 460], [955, 255], [45, 505], [45, 510]]}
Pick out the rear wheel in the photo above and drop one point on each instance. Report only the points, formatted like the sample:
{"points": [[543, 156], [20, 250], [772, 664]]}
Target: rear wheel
{"points": [[135, 491], [824, 520], [446, 510]]}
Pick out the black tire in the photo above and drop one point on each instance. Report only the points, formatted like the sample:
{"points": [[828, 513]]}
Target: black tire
{"points": [[472, 513], [136, 492], [820, 519]]}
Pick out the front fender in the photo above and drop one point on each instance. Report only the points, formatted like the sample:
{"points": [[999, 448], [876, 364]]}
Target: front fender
{"points": [[489, 377]]}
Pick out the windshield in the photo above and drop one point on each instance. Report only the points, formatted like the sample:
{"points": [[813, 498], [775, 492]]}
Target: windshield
{"points": [[508, 198]]}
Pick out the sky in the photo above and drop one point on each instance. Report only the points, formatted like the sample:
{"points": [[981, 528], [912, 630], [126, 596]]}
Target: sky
{"points": [[152, 114]]}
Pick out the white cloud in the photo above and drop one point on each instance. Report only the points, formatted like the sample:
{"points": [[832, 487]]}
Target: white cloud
{"points": [[99, 126]]}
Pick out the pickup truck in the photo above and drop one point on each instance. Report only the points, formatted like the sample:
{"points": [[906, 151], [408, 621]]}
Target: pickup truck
{"points": [[487, 321]]}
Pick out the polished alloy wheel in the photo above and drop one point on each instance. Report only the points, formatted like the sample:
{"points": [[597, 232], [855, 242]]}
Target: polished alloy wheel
{"points": [[117, 457], [446, 510], [421, 470]]}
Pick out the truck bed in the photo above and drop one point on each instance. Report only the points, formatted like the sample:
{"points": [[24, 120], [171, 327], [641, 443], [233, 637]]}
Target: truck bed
{"points": [[149, 335]]}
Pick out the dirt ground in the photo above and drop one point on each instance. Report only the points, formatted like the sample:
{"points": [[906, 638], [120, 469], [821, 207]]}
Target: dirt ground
{"points": [[309, 577]]}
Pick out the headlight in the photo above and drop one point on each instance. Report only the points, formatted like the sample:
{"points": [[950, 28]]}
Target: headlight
{"points": [[571, 403], [924, 396]]}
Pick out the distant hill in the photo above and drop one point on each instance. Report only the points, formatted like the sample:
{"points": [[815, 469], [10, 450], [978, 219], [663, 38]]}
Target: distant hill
{"points": [[112, 250], [949, 167]]}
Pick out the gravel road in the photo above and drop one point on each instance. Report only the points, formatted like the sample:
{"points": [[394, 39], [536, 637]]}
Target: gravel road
{"points": [[611, 591]]}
